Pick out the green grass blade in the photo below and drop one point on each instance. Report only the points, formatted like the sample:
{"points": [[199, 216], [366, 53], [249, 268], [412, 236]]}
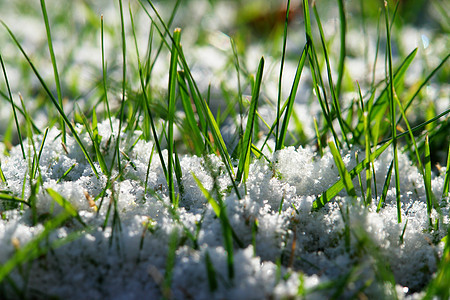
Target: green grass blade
{"points": [[13, 106], [171, 110], [10, 198], [334, 93], [447, 177], [331, 192], [291, 99], [195, 133], [52, 98], [211, 272], [104, 67], [170, 264], [387, 182], [392, 109], [244, 158], [55, 68], [68, 207], [427, 178], [342, 52], [283, 55], [66, 173], [344, 174]]}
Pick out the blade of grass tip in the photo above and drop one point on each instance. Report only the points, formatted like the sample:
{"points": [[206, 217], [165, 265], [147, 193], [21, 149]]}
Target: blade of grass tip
{"points": [[392, 108], [334, 93], [13, 107], [53, 99], [171, 110], [2, 175], [283, 54], [343, 173], [387, 182], [55, 68], [291, 99], [244, 158], [147, 102], [105, 91], [332, 191], [447, 177], [342, 51]]}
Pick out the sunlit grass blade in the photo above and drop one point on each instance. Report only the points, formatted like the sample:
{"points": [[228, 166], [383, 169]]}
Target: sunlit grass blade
{"points": [[104, 72], [283, 55], [392, 111], [13, 107], [244, 158], [10, 198], [68, 207], [386, 184], [334, 93], [66, 173], [446, 188], [171, 110], [290, 106], [53, 99], [368, 148], [124, 88], [55, 68], [196, 139], [427, 178], [342, 51], [344, 174], [331, 192]]}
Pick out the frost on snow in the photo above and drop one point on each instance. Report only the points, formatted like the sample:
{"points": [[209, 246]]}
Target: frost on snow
{"points": [[286, 247]]}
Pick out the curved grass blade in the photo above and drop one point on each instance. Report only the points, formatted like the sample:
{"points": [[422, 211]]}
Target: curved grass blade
{"points": [[387, 182], [68, 207], [447, 177]]}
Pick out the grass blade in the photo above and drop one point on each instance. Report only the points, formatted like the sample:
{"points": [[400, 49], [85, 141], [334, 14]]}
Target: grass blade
{"points": [[244, 159], [387, 182], [13, 106], [342, 52], [447, 177], [171, 110], [55, 68], [344, 174], [392, 109], [291, 99], [68, 207]]}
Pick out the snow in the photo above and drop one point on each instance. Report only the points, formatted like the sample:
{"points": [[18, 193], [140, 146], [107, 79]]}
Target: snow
{"points": [[126, 262]]}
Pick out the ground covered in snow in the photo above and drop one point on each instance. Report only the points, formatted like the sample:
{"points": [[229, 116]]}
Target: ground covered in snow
{"points": [[285, 247]]}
